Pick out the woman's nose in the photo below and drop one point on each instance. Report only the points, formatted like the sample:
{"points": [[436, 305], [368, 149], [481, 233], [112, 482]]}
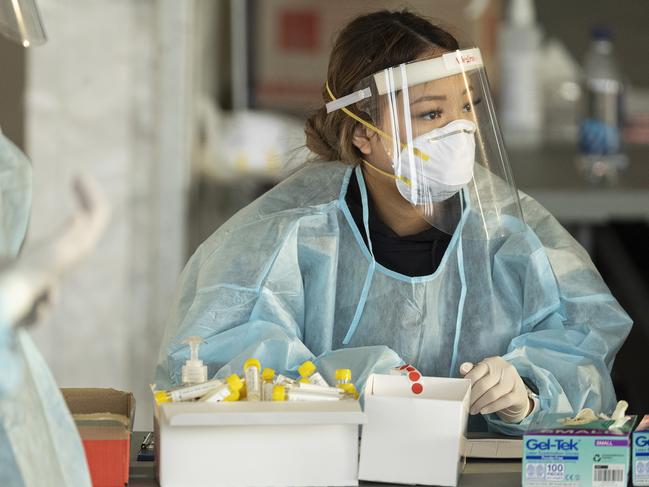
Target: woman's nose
{"points": [[461, 114]]}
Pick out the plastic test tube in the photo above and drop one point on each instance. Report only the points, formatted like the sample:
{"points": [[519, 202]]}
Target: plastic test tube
{"points": [[309, 373], [308, 387], [267, 384], [350, 390], [252, 371], [344, 382], [283, 393], [187, 393], [229, 391], [343, 376], [282, 380]]}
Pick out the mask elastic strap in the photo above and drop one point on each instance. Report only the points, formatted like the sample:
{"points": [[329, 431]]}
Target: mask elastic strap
{"points": [[370, 271], [372, 127], [403, 179]]}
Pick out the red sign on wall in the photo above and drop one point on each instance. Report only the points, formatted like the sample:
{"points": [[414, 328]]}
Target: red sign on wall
{"points": [[299, 30]]}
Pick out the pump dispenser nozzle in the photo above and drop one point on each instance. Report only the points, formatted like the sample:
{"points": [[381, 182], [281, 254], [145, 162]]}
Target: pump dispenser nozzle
{"points": [[194, 372]]}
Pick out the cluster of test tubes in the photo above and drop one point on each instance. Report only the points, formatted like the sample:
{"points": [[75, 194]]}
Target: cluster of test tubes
{"points": [[259, 384]]}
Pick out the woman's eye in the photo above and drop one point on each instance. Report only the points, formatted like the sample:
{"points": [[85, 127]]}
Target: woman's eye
{"points": [[467, 106], [432, 115]]}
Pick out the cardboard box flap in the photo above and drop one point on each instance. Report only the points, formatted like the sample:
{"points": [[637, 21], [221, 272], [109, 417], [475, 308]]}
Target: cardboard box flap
{"points": [[100, 404], [263, 413], [552, 424], [435, 388]]}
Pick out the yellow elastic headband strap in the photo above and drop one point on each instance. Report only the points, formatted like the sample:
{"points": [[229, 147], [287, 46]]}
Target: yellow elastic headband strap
{"points": [[356, 117], [372, 127]]}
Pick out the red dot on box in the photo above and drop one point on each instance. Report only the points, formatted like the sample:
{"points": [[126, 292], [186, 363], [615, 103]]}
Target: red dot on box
{"points": [[414, 376], [417, 388]]}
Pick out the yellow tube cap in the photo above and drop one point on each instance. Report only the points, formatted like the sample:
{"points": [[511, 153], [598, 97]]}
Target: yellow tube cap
{"points": [[344, 374], [235, 382], [233, 397], [279, 393], [268, 374], [162, 397], [307, 369], [252, 362]]}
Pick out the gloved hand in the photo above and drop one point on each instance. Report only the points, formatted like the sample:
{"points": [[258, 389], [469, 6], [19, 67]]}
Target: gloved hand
{"points": [[497, 388]]}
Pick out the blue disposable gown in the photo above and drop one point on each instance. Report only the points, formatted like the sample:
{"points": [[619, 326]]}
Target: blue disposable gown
{"points": [[289, 278], [39, 442]]}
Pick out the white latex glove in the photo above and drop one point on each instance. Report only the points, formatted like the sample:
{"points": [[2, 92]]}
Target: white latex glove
{"points": [[497, 388]]}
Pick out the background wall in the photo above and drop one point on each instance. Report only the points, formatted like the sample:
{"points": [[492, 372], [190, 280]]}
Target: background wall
{"points": [[109, 95]]}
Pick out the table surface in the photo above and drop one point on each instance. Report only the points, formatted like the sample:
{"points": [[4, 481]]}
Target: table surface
{"points": [[550, 176], [483, 473]]}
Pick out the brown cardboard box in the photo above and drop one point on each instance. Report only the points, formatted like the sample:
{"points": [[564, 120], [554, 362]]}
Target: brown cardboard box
{"points": [[292, 40], [104, 418]]}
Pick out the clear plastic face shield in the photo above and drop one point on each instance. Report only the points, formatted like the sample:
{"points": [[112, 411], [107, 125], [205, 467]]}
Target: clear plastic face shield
{"points": [[441, 144], [20, 21]]}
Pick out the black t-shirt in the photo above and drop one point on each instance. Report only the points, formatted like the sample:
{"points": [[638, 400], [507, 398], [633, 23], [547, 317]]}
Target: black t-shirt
{"points": [[412, 255]]}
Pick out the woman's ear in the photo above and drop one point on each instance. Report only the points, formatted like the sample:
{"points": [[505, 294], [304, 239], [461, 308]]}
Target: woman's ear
{"points": [[361, 140]]}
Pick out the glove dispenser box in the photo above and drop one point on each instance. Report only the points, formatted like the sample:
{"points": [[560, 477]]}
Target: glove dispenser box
{"points": [[257, 443], [414, 439]]}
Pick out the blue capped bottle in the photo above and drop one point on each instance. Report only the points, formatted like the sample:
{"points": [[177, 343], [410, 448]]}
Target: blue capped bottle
{"points": [[601, 156]]}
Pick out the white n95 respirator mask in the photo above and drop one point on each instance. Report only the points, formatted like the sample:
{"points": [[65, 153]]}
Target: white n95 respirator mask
{"points": [[438, 164]]}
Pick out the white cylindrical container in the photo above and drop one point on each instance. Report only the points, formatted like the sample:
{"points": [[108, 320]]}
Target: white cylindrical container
{"points": [[521, 104]]}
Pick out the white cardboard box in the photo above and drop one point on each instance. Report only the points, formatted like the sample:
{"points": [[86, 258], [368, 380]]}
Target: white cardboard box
{"points": [[258, 444], [412, 439]]}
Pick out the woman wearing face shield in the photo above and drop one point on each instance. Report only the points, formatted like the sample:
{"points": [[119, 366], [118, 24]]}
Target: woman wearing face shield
{"points": [[407, 241]]}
